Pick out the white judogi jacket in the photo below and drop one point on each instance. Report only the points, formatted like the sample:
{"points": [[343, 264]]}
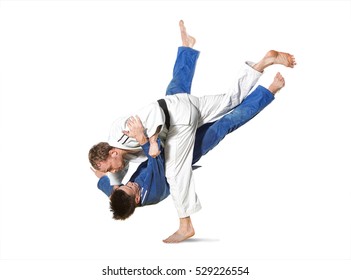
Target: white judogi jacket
{"points": [[152, 117]]}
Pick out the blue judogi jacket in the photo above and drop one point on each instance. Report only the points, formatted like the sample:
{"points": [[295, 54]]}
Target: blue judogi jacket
{"points": [[150, 174]]}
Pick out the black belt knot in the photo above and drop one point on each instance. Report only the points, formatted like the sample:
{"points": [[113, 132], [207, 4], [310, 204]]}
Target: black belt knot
{"points": [[163, 106]]}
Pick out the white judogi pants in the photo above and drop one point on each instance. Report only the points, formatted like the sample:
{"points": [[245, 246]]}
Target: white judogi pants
{"points": [[187, 113]]}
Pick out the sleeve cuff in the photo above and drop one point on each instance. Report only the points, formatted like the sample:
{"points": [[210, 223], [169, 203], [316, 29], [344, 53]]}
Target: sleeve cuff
{"points": [[105, 186]]}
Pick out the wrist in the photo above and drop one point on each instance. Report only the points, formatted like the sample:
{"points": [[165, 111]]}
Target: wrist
{"points": [[142, 139]]}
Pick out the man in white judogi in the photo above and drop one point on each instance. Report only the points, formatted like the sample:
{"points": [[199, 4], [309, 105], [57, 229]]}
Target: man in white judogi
{"points": [[175, 121]]}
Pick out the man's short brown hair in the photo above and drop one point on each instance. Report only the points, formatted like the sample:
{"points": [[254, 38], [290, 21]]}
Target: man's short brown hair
{"points": [[98, 153]]}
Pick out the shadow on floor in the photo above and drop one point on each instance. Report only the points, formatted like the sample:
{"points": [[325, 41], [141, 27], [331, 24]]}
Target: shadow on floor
{"points": [[194, 240]]}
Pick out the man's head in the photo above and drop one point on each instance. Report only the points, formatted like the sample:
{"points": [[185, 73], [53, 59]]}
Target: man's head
{"points": [[106, 158], [124, 200]]}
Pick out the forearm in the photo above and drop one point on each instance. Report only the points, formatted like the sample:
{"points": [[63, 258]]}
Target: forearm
{"points": [[153, 139], [141, 138]]}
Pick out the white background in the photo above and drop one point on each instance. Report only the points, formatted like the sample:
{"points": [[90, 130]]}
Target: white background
{"points": [[275, 194]]}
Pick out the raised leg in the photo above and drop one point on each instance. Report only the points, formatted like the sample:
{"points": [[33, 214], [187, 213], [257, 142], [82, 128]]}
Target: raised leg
{"points": [[184, 67]]}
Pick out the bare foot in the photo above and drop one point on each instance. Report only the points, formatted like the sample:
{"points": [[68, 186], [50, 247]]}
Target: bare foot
{"points": [[188, 41], [178, 237], [274, 57], [184, 232], [278, 83]]}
